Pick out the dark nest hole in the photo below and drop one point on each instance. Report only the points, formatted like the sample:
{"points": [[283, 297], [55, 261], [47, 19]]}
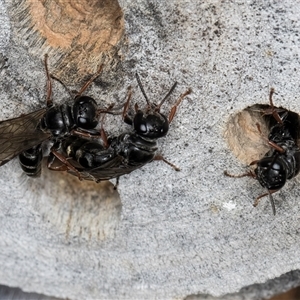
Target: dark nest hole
{"points": [[243, 136]]}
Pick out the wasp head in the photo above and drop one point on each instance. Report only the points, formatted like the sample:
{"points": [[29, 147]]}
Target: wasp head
{"points": [[150, 124], [271, 173]]}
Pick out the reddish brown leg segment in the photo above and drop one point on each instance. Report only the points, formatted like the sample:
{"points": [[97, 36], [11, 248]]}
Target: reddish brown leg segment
{"points": [[160, 157], [66, 165], [174, 108], [87, 84], [272, 144], [85, 134], [103, 133], [270, 192], [249, 174], [125, 117], [273, 111]]}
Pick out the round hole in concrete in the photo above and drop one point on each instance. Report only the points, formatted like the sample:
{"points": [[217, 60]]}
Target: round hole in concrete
{"points": [[243, 136]]}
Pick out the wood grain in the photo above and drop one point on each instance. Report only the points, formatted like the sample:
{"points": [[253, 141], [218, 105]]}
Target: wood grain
{"points": [[79, 35]]}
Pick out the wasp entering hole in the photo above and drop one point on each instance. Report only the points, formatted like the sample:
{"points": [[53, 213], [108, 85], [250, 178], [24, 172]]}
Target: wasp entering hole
{"points": [[244, 138], [266, 138]]}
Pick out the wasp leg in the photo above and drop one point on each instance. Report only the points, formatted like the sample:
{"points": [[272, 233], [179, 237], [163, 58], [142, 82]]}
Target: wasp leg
{"points": [[94, 133], [66, 166], [249, 174], [103, 134], [125, 116], [63, 84], [51, 160], [174, 108], [117, 183], [160, 157], [86, 134], [270, 143], [107, 110], [276, 147], [270, 192], [272, 110], [87, 84]]}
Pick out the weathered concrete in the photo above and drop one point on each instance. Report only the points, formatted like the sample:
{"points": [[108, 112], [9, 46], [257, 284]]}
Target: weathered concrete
{"points": [[176, 233]]}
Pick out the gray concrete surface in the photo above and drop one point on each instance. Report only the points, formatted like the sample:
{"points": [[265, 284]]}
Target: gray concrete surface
{"points": [[171, 234]]}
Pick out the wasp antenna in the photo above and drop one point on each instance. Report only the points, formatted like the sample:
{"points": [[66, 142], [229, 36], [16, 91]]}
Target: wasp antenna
{"points": [[166, 97], [274, 110], [272, 202], [63, 84], [141, 87], [49, 83], [272, 91]]}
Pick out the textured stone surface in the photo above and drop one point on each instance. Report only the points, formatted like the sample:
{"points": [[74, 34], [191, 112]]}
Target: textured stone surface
{"points": [[176, 233]]}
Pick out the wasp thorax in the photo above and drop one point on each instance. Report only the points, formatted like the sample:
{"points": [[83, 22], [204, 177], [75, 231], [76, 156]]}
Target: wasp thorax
{"points": [[85, 111]]}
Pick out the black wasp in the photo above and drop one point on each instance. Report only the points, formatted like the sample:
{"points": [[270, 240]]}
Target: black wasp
{"points": [[282, 161], [24, 135], [107, 158]]}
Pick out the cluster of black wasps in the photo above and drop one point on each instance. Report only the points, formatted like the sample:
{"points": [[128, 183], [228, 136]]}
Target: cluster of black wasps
{"points": [[84, 150], [78, 146]]}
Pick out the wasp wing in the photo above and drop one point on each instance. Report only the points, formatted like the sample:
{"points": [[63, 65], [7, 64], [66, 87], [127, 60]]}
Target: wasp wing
{"points": [[114, 168], [20, 134]]}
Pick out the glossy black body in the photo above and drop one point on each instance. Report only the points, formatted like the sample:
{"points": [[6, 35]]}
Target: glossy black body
{"points": [[22, 135], [98, 160], [60, 120], [134, 148], [276, 167], [125, 153], [86, 152], [282, 161], [30, 161], [150, 124]]}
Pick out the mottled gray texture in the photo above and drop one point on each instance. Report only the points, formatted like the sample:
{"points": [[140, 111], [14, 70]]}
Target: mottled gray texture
{"points": [[177, 233]]}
